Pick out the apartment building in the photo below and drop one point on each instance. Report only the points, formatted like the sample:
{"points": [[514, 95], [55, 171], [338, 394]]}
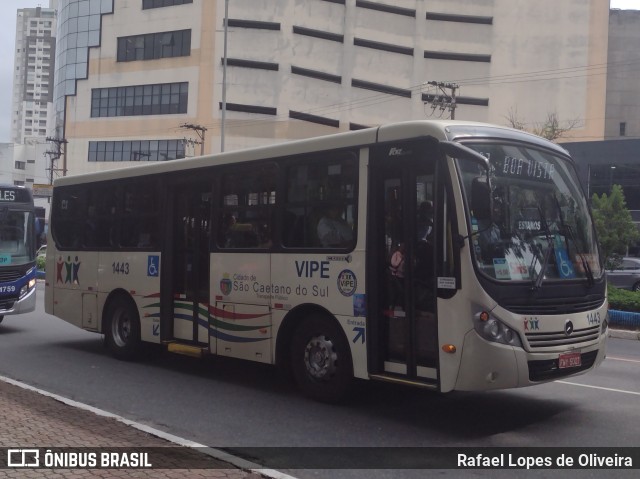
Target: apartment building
{"points": [[25, 162], [33, 73], [153, 80]]}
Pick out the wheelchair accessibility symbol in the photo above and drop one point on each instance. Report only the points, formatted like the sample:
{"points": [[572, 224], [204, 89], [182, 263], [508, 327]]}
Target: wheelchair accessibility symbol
{"points": [[153, 266], [565, 267]]}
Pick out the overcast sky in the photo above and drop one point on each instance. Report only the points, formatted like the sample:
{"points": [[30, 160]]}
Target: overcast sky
{"points": [[8, 10]]}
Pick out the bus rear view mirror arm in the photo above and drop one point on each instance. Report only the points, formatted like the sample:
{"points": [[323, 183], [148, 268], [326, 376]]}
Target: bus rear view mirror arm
{"points": [[456, 150]]}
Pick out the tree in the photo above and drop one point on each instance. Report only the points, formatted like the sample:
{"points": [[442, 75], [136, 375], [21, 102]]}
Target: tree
{"points": [[615, 228], [551, 129]]}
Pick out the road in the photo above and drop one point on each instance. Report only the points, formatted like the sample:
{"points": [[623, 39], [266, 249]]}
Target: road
{"points": [[226, 404]]}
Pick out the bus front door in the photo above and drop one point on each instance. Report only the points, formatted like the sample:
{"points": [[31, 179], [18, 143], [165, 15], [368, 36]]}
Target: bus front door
{"points": [[401, 259], [189, 249]]}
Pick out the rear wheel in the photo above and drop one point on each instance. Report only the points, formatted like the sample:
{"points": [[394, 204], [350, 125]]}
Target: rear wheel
{"points": [[321, 359], [122, 328]]}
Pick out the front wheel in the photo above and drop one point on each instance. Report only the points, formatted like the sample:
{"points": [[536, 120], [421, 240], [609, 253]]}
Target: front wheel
{"points": [[122, 328], [321, 359]]}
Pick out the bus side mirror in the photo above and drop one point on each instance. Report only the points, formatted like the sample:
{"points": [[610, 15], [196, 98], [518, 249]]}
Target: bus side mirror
{"points": [[481, 199]]}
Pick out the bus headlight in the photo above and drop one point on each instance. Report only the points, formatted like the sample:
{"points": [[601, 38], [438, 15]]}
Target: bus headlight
{"points": [[494, 330], [27, 287]]}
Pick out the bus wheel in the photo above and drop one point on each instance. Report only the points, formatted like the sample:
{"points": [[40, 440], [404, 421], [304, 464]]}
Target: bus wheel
{"points": [[321, 359], [122, 328]]}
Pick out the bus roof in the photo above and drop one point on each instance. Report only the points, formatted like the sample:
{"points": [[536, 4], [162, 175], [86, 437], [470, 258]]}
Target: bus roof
{"points": [[439, 129]]}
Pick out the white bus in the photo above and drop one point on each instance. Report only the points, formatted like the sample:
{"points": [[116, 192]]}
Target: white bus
{"points": [[283, 255]]}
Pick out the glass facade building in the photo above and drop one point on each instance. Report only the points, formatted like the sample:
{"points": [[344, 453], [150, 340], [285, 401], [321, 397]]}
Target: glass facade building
{"points": [[79, 25]]}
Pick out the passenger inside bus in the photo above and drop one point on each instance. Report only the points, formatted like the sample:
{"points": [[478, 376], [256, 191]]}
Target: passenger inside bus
{"points": [[333, 230]]}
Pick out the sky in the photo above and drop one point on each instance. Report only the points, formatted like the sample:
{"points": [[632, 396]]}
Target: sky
{"points": [[8, 9]]}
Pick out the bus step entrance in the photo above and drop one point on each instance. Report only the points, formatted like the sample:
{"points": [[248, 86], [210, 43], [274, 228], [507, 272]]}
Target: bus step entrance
{"points": [[187, 349], [389, 378]]}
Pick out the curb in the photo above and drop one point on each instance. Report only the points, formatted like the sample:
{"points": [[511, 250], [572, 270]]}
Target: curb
{"points": [[221, 455], [624, 334]]}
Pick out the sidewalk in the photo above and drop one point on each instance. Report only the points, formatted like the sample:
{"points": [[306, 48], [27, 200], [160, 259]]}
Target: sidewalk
{"points": [[29, 419]]}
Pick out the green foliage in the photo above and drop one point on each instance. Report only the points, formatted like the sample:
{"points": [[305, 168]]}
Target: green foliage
{"points": [[623, 300], [40, 262], [616, 230]]}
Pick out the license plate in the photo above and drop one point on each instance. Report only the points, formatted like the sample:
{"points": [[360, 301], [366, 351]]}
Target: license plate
{"points": [[571, 360]]}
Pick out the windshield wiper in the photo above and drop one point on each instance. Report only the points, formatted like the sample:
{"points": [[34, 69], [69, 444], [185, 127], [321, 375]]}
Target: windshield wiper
{"points": [[547, 254]]}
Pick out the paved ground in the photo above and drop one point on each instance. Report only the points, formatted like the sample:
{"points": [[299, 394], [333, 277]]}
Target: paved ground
{"points": [[30, 419]]}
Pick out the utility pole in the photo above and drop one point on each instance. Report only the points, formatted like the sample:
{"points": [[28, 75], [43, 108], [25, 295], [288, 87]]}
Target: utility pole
{"points": [[224, 75], [55, 155], [200, 131], [442, 99]]}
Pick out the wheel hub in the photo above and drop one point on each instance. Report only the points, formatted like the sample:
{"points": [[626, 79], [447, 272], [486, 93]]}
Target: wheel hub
{"points": [[320, 358]]}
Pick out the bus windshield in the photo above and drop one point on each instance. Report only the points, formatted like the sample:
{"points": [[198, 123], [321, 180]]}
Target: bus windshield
{"points": [[16, 237], [528, 218]]}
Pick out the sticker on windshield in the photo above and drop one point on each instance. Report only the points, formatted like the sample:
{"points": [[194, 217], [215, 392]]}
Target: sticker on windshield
{"points": [[501, 268]]}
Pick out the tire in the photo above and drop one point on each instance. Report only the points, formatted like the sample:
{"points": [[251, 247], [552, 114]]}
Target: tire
{"points": [[321, 359], [636, 287], [122, 328], [1, 318]]}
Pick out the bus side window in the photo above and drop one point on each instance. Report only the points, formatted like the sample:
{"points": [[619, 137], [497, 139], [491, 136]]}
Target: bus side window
{"points": [[247, 212], [321, 209], [68, 211], [139, 223]]}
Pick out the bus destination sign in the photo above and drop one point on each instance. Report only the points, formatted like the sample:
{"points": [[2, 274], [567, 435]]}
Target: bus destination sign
{"points": [[11, 195]]}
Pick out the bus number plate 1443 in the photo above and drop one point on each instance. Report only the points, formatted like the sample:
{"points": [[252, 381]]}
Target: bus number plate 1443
{"points": [[570, 360]]}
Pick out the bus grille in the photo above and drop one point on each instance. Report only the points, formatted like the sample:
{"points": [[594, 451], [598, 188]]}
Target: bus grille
{"points": [[548, 369], [552, 340], [554, 306], [7, 303], [9, 275]]}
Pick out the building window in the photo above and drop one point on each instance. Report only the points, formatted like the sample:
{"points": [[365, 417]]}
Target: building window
{"points": [[623, 128], [20, 165], [158, 99], [141, 150], [146, 4], [154, 45]]}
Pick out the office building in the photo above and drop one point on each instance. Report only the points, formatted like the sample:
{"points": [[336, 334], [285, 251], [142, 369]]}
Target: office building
{"points": [[135, 78]]}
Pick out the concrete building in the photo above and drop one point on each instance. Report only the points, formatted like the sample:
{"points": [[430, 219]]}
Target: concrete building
{"points": [[130, 74], [33, 73], [623, 87], [25, 162]]}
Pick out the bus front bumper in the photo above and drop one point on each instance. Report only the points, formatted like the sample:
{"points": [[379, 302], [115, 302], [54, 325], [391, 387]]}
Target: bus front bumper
{"points": [[486, 365], [25, 304]]}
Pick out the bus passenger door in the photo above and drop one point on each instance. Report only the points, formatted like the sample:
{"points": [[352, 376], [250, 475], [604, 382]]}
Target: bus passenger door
{"points": [[188, 252], [403, 333]]}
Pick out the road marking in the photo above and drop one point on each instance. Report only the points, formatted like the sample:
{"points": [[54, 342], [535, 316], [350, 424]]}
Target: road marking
{"points": [[600, 387], [210, 451], [624, 359]]}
